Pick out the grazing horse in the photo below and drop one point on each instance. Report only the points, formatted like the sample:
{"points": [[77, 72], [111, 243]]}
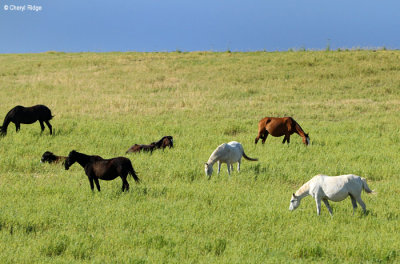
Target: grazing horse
{"points": [[166, 141], [228, 153], [334, 188], [51, 158], [280, 126], [138, 148], [27, 115], [105, 169]]}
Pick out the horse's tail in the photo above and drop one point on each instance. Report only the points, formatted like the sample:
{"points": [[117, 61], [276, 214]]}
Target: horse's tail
{"points": [[248, 158], [365, 186], [132, 172]]}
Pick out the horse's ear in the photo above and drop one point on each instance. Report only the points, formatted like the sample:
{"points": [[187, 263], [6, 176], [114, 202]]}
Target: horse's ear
{"points": [[206, 163], [294, 195]]}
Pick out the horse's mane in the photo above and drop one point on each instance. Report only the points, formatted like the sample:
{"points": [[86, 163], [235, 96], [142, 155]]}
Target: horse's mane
{"points": [[215, 153], [304, 188], [85, 157], [297, 126]]}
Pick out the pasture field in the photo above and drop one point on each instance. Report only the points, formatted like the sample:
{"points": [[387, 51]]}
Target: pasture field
{"points": [[348, 102]]}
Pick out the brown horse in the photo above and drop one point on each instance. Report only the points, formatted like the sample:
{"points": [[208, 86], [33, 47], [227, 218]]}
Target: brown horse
{"points": [[51, 158], [138, 148], [27, 115], [280, 126], [104, 169]]}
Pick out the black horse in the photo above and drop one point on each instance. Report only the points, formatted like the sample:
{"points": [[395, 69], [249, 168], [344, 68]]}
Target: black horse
{"points": [[105, 169], [27, 115], [166, 141], [51, 158]]}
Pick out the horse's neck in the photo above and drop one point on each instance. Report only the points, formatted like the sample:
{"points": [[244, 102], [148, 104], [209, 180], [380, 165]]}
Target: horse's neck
{"points": [[212, 160], [6, 122], [214, 157], [82, 159], [299, 130], [303, 191]]}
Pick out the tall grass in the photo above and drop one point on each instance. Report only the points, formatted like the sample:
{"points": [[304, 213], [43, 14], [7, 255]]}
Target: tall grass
{"points": [[347, 101]]}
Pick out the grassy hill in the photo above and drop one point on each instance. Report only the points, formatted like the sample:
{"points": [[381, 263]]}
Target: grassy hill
{"points": [[348, 102]]}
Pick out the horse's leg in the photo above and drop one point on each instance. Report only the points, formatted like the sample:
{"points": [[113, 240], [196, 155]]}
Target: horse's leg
{"points": [[49, 126], [91, 183], [318, 202], [97, 183], [219, 167], [328, 205], [353, 202], [361, 203], [125, 184], [238, 168], [17, 127], [229, 168], [286, 138], [41, 125], [264, 136]]}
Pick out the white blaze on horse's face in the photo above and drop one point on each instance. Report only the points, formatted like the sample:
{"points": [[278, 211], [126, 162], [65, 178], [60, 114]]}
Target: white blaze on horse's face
{"points": [[208, 169], [294, 203]]}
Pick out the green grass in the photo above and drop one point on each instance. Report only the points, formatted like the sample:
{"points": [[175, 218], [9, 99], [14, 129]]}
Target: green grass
{"points": [[348, 102]]}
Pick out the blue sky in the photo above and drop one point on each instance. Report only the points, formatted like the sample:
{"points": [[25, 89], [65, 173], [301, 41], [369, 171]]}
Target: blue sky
{"points": [[218, 25]]}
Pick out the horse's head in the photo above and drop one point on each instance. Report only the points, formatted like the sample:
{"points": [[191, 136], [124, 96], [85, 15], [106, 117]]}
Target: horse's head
{"points": [[48, 157], [294, 202], [71, 159], [168, 142], [208, 169], [306, 139]]}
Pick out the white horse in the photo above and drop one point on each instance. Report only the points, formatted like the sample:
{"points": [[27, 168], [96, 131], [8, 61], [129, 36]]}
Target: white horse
{"points": [[228, 153], [334, 188]]}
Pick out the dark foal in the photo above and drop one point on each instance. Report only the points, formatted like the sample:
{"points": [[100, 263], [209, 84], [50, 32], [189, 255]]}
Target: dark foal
{"points": [[280, 126], [51, 158], [104, 169], [137, 148], [164, 142], [27, 115]]}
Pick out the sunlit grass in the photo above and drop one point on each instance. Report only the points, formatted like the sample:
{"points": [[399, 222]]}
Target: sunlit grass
{"points": [[348, 101]]}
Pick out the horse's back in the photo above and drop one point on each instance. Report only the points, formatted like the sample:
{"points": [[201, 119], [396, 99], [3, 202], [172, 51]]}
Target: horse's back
{"points": [[234, 151], [133, 148], [109, 169], [121, 162], [234, 144], [235, 147], [277, 126], [42, 111], [22, 114], [337, 188]]}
